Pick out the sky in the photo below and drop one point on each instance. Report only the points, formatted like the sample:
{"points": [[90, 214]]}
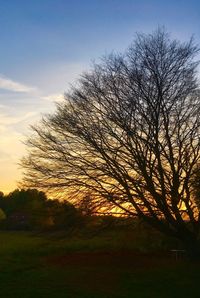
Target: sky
{"points": [[47, 44]]}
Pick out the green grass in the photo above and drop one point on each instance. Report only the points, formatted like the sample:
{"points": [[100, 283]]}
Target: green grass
{"points": [[59, 265]]}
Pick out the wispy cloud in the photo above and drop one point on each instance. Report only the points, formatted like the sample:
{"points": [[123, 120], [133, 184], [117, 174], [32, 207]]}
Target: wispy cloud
{"points": [[54, 97], [22, 105], [10, 153], [11, 85], [8, 120], [11, 147]]}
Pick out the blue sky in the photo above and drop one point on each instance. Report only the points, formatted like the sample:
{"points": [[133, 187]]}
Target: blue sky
{"points": [[46, 44]]}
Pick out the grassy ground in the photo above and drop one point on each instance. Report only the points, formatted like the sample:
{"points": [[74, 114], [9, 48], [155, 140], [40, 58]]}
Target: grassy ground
{"points": [[107, 265]]}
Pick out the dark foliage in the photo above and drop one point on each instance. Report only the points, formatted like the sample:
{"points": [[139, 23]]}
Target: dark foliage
{"points": [[31, 210]]}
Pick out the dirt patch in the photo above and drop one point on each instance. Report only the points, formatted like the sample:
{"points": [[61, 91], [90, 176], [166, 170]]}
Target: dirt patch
{"points": [[103, 272]]}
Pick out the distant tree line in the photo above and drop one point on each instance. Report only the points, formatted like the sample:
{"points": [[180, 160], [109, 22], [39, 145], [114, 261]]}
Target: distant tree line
{"points": [[31, 210]]}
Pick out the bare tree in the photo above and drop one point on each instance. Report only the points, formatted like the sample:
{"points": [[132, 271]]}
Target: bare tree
{"points": [[129, 134]]}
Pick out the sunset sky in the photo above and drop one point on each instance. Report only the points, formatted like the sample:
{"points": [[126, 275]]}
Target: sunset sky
{"points": [[46, 44]]}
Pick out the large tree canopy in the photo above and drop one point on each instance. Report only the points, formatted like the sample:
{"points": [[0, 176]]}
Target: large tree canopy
{"points": [[128, 134]]}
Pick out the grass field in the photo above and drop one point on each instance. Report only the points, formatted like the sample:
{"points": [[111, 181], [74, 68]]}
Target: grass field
{"points": [[107, 265]]}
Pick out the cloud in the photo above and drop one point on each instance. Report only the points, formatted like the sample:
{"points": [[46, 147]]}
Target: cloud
{"points": [[8, 120], [2, 106], [22, 105], [11, 151], [54, 97], [8, 84], [11, 148]]}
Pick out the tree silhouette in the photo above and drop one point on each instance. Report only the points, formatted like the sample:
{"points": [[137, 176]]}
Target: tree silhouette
{"points": [[129, 134]]}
